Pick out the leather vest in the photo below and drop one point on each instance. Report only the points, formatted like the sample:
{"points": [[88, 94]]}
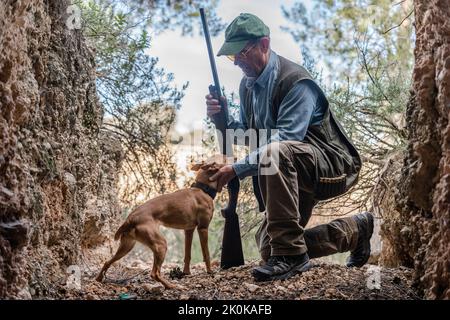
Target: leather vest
{"points": [[338, 161]]}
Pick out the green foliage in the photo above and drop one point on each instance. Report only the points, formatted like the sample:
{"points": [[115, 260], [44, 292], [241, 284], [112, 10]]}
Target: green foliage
{"points": [[162, 15], [139, 98], [126, 75], [333, 28], [366, 47]]}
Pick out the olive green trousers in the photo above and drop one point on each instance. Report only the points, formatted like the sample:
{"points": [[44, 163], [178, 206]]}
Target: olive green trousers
{"points": [[288, 196]]}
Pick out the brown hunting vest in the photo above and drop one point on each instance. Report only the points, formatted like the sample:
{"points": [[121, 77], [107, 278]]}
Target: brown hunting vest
{"points": [[338, 161]]}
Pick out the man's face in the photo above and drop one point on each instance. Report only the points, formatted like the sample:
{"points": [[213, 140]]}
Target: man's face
{"points": [[250, 60]]}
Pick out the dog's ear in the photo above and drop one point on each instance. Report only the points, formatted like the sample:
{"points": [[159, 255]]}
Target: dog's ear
{"points": [[197, 166], [211, 167], [207, 166], [216, 166]]}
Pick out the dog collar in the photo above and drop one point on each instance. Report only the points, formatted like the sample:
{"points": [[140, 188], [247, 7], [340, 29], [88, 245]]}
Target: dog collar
{"points": [[207, 189]]}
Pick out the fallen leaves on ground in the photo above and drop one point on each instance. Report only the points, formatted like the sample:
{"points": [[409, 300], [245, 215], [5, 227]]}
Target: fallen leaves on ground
{"points": [[323, 281]]}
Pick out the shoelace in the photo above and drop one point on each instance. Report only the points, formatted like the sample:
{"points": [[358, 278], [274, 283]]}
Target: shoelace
{"points": [[272, 261]]}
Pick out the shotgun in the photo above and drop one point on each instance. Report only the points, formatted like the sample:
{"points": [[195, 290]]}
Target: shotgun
{"points": [[232, 254]]}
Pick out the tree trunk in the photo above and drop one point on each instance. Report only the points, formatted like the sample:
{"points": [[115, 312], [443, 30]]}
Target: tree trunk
{"points": [[424, 188]]}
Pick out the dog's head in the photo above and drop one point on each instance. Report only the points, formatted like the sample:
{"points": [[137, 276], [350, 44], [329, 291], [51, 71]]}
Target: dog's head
{"points": [[206, 169]]}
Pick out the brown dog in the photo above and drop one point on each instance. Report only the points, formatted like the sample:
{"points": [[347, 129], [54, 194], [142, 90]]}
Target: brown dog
{"points": [[185, 209]]}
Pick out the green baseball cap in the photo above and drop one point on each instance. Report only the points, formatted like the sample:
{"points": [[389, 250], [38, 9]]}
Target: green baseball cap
{"points": [[244, 28]]}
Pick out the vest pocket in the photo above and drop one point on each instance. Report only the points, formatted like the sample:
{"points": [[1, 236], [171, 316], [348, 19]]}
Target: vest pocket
{"points": [[330, 187]]}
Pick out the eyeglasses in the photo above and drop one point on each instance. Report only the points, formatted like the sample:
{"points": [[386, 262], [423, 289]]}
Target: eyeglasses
{"points": [[242, 54]]}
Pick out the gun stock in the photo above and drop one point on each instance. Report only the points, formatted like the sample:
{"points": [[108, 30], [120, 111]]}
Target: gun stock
{"points": [[232, 254]]}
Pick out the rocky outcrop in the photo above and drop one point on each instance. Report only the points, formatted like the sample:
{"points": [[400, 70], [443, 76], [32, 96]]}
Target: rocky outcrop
{"points": [[424, 187], [394, 234], [57, 171]]}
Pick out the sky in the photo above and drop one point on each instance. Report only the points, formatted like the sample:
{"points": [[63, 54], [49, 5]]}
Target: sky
{"points": [[187, 57]]}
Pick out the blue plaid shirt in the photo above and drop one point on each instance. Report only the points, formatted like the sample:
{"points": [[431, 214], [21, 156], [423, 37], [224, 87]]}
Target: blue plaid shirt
{"points": [[299, 109]]}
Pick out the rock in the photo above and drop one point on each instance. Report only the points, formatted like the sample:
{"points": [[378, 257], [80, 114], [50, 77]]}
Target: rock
{"points": [[48, 99], [70, 179], [280, 288], [138, 264], [180, 287], [47, 146], [24, 294], [91, 296], [152, 288], [6, 191], [330, 292], [251, 287]]}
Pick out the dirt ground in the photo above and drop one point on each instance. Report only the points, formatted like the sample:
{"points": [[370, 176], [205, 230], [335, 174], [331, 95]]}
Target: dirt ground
{"points": [[324, 281]]}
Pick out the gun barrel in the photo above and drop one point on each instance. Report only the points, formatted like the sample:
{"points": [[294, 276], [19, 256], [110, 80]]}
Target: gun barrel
{"points": [[232, 254], [220, 119], [212, 61]]}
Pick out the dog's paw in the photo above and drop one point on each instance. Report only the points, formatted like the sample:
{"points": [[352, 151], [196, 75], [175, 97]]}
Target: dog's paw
{"points": [[187, 272]]}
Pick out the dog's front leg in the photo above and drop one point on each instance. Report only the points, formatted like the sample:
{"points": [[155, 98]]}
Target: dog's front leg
{"points": [[188, 234], [203, 235]]}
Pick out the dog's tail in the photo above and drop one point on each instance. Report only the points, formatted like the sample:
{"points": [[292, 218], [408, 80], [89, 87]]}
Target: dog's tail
{"points": [[125, 227]]}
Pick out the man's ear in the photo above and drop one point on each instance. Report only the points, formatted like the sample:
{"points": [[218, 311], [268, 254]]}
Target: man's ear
{"points": [[265, 44]]}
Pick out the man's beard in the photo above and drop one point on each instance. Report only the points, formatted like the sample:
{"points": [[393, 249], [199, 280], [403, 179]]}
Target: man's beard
{"points": [[248, 71]]}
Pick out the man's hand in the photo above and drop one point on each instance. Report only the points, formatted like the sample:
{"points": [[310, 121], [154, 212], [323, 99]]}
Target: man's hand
{"points": [[212, 105], [223, 176]]}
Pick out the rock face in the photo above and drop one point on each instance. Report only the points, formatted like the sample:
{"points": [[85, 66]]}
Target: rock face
{"points": [[57, 171], [424, 187]]}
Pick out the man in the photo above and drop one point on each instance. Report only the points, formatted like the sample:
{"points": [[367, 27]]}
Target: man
{"points": [[316, 160]]}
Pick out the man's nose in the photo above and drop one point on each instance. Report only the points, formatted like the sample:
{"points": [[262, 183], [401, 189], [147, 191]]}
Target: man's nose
{"points": [[238, 61]]}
